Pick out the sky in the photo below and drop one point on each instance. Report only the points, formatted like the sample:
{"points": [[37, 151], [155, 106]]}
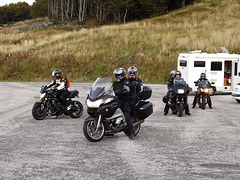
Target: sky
{"points": [[4, 2]]}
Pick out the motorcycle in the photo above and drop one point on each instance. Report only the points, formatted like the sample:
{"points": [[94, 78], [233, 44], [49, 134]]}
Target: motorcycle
{"points": [[203, 94], [179, 92], [105, 116], [49, 104]]}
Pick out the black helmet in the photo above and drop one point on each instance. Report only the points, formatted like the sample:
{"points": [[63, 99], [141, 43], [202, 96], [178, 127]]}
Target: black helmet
{"points": [[120, 74], [132, 72], [172, 72], [202, 76], [178, 73], [58, 71]]}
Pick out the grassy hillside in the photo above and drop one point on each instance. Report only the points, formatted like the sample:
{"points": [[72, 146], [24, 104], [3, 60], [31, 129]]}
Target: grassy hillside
{"points": [[152, 45]]}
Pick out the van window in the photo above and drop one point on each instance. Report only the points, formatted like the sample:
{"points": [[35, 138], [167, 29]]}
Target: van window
{"points": [[199, 63], [216, 66], [183, 63]]}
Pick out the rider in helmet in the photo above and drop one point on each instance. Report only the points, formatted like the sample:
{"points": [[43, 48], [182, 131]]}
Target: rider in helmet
{"points": [[121, 87], [166, 97], [178, 74], [202, 77], [170, 80], [135, 88], [60, 85]]}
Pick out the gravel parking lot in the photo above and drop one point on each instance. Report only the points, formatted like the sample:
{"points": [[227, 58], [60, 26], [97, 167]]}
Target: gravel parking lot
{"points": [[204, 145]]}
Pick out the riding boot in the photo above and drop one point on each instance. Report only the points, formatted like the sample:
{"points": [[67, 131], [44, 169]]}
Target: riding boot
{"points": [[187, 110]]}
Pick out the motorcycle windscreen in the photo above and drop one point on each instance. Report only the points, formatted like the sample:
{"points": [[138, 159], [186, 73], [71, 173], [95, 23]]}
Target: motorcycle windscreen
{"points": [[144, 109], [179, 83], [99, 88], [204, 84]]}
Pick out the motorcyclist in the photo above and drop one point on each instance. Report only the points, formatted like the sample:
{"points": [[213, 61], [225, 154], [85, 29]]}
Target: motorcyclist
{"points": [[135, 88], [179, 74], [167, 96], [202, 77], [60, 84], [121, 87]]}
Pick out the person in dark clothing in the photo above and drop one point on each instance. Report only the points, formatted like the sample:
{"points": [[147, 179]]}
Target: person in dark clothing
{"points": [[121, 87], [135, 89], [60, 84], [168, 99], [186, 108], [202, 77]]}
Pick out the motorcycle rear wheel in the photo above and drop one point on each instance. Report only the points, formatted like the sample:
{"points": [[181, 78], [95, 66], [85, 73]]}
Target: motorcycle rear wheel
{"points": [[136, 130], [37, 112], [78, 112], [180, 110], [91, 133]]}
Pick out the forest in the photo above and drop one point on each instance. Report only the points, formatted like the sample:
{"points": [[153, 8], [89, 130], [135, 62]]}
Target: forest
{"points": [[102, 11]]}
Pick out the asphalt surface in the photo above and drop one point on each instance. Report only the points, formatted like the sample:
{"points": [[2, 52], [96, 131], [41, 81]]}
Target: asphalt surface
{"points": [[204, 145]]}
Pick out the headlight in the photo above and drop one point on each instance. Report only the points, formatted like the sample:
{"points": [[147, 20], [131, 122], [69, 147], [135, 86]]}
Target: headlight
{"points": [[42, 95], [94, 104], [109, 100], [206, 90], [180, 91]]}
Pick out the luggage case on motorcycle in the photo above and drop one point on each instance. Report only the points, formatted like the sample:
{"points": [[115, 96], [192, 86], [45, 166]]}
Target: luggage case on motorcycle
{"points": [[144, 109], [146, 93]]}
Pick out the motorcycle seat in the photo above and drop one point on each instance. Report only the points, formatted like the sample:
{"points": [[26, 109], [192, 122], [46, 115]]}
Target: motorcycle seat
{"points": [[73, 94]]}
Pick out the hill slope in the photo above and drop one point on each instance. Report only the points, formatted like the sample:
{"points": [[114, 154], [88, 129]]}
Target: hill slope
{"points": [[152, 45]]}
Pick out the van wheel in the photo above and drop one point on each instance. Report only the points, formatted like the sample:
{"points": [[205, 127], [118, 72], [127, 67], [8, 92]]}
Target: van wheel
{"points": [[238, 100]]}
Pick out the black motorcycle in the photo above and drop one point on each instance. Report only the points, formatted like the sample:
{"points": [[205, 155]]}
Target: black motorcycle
{"points": [[106, 117], [203, 94], [178, 97], [49, 105]]}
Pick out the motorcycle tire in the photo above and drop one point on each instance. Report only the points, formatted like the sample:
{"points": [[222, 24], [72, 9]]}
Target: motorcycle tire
{"points": [[79, 110], [37, 112], [91, 133], [136, 130], [238, 100], [180, 110], [203, 105]]}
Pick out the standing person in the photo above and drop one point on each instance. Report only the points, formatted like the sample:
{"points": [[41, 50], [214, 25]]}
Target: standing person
{"points": [[202, 78], [121, 87], [135, 88], [61, 84], [168, 99]]}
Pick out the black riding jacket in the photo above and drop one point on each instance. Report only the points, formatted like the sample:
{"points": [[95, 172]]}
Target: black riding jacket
{"points": [[135, 87], [122, 89]]}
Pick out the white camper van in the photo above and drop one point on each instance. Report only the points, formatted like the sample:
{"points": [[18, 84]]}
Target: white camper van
{"points": [[221, 68]]}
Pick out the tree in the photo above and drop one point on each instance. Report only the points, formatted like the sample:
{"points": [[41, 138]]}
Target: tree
{"points": [[39, 8]]}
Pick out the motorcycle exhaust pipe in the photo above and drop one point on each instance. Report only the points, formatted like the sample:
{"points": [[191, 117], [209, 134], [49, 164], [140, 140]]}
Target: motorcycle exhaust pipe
{"points": [[139, 122]]}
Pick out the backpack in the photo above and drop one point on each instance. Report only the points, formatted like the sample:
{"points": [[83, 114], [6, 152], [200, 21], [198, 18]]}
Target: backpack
{"points": [[68, 83]]}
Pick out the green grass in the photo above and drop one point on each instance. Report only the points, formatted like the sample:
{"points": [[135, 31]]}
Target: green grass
{"points": [[152, 45]]}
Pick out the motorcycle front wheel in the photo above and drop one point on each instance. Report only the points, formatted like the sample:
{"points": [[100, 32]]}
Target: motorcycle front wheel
{"points": [[203, 102], [78, 110], [180, 110], [91, 133], [38, 111]]}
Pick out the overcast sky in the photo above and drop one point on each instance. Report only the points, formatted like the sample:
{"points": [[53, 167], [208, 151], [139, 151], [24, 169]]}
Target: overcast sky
{"points": [[4, 2]]}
